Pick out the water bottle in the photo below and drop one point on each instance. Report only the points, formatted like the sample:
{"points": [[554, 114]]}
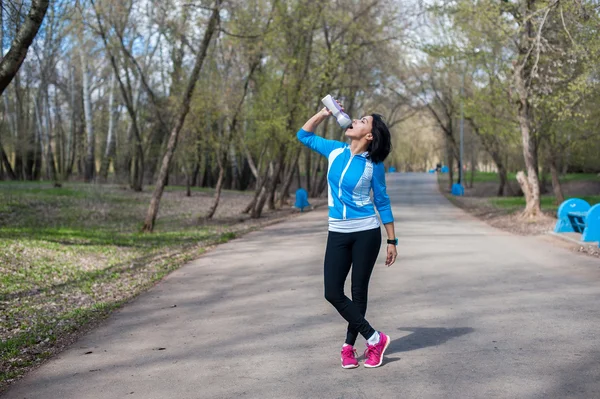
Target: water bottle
{"points": [[342, 118]]}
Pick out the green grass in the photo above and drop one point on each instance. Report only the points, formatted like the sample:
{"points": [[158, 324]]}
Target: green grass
{"points": [[44, 335], [486, 177], [70, 255], [548, 202]]}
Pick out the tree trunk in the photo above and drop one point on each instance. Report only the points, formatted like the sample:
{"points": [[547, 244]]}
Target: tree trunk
{"points": [[40, 129], [38, 153], [6, 164], [556, 187], [258, 194], [473, 166], [316, 178], [450, 157], [50, 161], [235, 168], [26, 137], [271, 196], [533, 206], [297, 172], [195, 173], [271, 185], [125, 165], [221, 161], [525, 186], [17, 134], [79, 152], [156, 145], [71, 138], [522, 75], [90, 162], [188, 182], [260, 203], [307, 167], [109, 152], [218, 189], [12, 61], [544, 180], [11, 116], [504, 184], [261, 184], [184, 109], [287, 182], [30, 155], [60, 139], [137, 180]]}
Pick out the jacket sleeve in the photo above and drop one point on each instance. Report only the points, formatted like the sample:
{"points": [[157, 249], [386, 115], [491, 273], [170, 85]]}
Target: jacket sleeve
{"points": [[317, 143], [380, 197]]}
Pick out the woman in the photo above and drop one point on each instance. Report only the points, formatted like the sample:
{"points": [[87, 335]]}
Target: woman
{"points": [[354, 230]]}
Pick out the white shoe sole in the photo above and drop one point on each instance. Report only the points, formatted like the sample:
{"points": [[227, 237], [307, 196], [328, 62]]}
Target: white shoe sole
{"points": [[382, 352], [352, 366]]}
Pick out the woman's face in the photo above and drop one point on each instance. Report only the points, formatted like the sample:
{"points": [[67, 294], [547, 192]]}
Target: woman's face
{"points": [[361, 128]]}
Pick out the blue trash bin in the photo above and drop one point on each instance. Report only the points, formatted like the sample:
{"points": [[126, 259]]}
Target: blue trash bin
{"points": [[458, 189], [301, 199]]}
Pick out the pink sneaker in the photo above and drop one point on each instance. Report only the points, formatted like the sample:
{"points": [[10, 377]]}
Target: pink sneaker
{"points": [[349, 357], [374, 353]]}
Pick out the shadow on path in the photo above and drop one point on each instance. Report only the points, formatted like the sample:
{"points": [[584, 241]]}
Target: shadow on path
{"points": [[423, 337]]}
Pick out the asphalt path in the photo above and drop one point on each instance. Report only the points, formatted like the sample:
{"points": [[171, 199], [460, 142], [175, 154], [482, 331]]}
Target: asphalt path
{"points": [[472, 311]]}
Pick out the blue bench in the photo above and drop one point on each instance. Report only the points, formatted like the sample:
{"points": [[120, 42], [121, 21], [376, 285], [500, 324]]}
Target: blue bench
{"points": [[577, 216]]}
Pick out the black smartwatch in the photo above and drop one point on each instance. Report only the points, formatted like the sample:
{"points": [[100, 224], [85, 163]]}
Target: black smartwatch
{"points": [[394, 241]]}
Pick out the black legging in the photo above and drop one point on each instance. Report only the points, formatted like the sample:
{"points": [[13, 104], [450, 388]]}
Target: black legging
{"points": [[359, 249]]}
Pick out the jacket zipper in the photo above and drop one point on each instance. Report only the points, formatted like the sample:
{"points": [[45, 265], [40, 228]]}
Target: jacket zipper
{"points": [[340, 186]]}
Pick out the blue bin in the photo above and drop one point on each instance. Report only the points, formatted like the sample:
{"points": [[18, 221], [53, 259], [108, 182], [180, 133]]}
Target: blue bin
{"points": [[301, 199], [458, 189]]}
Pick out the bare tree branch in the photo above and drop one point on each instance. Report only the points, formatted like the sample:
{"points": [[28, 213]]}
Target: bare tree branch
{"points": [[562, 18], [11, 63]]}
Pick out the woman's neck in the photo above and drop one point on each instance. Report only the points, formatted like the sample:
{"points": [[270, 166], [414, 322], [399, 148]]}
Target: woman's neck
{"points": [[358, 147]]}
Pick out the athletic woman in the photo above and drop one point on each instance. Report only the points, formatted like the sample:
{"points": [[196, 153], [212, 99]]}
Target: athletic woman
{"points": [[354, 238]]}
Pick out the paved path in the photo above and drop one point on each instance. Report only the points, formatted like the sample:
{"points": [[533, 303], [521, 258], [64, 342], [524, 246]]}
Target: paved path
{"points": [[473, 312]]}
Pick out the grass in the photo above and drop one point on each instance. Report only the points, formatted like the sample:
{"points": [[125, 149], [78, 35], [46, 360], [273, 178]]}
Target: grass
{"points": [[515, 204], [548, 202], [70, 255], [486, 177]]}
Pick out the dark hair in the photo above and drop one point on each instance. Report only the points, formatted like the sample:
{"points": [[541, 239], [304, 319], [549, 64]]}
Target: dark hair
{"points": [[381, 145]]}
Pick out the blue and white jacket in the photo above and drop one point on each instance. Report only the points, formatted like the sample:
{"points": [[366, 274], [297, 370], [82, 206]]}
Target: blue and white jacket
{"points": [[350, 179]]}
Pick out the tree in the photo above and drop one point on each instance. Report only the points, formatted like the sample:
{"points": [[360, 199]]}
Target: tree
{"points": [[109, 151], [183, 111], [525, 32]]}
